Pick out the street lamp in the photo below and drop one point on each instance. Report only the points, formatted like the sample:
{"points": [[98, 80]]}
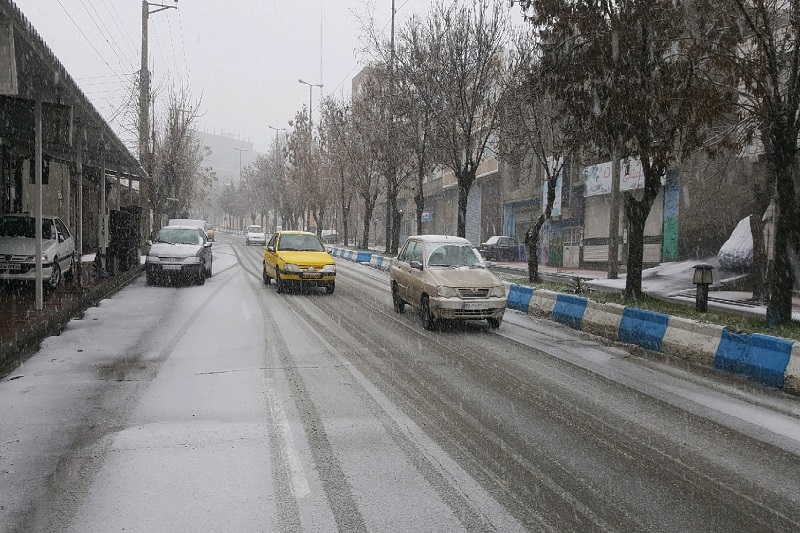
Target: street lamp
{"points": [[310, 87], [240, 150], [276, 133]]}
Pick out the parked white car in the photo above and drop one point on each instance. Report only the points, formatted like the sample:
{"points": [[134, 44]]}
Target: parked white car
{"points": [[255, 235], [18, 249], [179, 252]]}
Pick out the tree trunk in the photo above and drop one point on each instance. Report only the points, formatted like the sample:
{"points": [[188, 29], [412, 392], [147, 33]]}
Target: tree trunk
{"points": [[419, 196], [396, 232], [464, 184], [364, 244], [532, 242], [759, 268], [637, 216], [387, 229], [779, 308]]}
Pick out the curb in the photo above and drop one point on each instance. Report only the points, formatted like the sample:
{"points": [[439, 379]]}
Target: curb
{"points": [[771, 361], [27, 340]]}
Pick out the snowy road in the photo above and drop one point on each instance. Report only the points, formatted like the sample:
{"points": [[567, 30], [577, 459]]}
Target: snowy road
{"points": [[228, 407]]}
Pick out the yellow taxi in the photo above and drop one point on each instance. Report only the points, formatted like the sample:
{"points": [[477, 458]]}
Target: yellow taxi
{"points": [[298, 259]]}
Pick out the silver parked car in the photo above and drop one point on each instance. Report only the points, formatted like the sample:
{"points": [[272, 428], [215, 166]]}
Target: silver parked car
{"points": [[446, 278], [18, 249], [179, 251]]}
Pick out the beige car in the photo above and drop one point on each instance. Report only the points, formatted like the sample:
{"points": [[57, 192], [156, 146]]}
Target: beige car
{"points": [[445, 278]]}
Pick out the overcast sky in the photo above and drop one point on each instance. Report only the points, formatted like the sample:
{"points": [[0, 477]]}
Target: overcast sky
{"points": [[243, 56]]}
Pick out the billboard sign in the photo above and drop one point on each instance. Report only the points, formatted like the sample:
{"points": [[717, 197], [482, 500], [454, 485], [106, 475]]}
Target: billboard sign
{"points": [[631, 174], [597, 179]]}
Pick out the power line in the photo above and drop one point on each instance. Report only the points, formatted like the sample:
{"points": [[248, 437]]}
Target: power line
{"points": [[88, 41], [359, 61], [172, 43], [103, 35], [183, 46], [121, 27]]}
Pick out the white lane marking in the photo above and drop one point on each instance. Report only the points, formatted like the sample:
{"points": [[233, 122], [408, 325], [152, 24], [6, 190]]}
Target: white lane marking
{"points": [[297, 475]]}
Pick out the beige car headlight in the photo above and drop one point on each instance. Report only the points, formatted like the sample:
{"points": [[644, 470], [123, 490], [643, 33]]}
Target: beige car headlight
{"points": [[291, 267], [329, 269], [446, 292], [498, 291]]}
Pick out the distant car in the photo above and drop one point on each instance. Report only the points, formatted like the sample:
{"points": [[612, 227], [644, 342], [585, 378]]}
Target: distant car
{"points": [[500, 248], [210, 232], [298, 259], [255, 235], [179, 252], [18, 249], [445, 278]]}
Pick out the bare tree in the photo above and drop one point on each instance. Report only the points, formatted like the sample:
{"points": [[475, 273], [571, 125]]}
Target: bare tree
{"points": [[333, 133], [455, 61], [179, 176], [535, 125], [756, 50], [418, 121], [361, 145], [629, 72]]}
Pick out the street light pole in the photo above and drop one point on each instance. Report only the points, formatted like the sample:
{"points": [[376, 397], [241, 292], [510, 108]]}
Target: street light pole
{"points": [[240, 150], [276, 133], [310, 87]]}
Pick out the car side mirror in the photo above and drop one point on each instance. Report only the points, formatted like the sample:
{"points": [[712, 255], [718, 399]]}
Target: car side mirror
{"points": [[149, 242], [488, 264], [208, 245], [61, 238], [271, 248], [416, 264]]}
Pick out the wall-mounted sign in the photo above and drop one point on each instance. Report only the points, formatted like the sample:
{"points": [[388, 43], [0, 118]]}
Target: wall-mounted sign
{"points": [[597, 179]]}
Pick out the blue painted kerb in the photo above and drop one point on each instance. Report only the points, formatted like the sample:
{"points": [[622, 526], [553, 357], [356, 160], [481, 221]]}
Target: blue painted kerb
{"points": [[569, 310], [761, 357], [519, 297], [643, 328]]}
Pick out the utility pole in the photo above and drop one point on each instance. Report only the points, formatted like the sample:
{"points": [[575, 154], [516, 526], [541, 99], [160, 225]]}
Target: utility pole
{"points": [[144, 105]]}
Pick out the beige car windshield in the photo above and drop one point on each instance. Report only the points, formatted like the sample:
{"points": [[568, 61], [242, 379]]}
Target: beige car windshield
{"points": [[454, 255]]}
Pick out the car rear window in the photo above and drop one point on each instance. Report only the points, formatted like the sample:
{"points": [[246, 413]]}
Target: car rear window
{"points": [[179, 236]]}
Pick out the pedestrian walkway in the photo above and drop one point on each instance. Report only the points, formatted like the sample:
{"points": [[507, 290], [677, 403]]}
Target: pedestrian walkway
{"points": [[22, 327]]}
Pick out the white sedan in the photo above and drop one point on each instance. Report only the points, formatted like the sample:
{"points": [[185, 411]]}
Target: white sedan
{"points": [[255, 235], [18, 249]]}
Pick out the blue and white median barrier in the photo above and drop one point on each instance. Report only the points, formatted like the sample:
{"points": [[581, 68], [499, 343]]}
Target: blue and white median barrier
{"points": [[773, 361]]}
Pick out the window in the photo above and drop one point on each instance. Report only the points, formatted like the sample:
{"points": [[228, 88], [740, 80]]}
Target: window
{"points": [[45, 171], [62, 229], [454, 255], [415, 251]]}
